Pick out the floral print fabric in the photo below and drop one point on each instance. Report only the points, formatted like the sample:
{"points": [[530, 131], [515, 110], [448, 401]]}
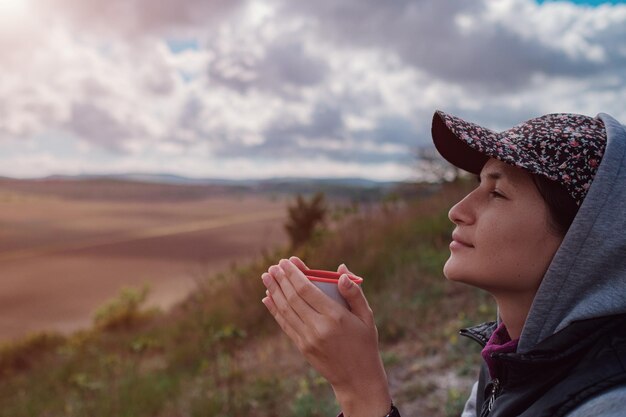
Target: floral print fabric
{"points": [[566, 148]]}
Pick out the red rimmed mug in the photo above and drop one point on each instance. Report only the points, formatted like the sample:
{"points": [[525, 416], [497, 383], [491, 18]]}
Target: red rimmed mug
{"points": [[327, 282]]}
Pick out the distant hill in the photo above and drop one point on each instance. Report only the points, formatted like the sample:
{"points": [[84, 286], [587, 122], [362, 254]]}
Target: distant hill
{"points": [[180, 180], [166, 187]]}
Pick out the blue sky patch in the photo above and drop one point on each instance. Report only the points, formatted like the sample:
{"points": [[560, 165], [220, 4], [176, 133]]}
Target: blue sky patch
{"points": [[180, 45], [586, 2]]}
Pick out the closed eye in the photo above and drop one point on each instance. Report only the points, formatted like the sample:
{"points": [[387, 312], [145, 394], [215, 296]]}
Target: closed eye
{"points": [[496, 194]]}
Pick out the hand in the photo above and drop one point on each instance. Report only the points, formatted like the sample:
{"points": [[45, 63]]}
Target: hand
{"points": [[341, 344]]}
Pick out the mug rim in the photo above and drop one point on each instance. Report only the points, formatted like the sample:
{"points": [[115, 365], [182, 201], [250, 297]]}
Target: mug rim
{"points": [[328, 276]]}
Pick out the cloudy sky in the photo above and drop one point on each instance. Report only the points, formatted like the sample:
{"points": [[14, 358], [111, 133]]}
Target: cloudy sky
{"points": [[263, 88]]}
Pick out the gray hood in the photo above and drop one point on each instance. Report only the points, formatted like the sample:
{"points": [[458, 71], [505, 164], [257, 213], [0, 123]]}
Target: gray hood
{"points": [[587, 276]]}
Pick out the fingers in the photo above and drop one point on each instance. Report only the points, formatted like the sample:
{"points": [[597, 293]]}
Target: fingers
{"points": [[355, 298], [343, 269], [297, 299], [269, 303], [283, 307], [297, 285], [298, 262], [284, 325]]}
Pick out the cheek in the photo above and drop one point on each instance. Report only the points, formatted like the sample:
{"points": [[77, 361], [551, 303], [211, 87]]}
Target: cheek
{"points": [[512, 256], [497, 248], [519, 255]]}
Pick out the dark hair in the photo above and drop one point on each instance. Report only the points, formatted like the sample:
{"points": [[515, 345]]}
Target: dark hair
{"points": [[561, 204]]}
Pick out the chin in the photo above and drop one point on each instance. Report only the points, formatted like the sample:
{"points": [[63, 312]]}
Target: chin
{"points": [[449, 270], [455, 271]]}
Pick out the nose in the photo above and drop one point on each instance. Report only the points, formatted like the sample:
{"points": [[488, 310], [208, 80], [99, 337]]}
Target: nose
{"points": [[462, 213]]}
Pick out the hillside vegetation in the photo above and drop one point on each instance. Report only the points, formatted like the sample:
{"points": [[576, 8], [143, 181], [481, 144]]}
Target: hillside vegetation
{"points": [[220, 353]]}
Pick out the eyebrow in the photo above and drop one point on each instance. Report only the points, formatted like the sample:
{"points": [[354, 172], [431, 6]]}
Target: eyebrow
{"points": [[493, 175]]}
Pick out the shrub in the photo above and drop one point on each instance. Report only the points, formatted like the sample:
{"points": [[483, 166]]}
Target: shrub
{"points": [[124, 310], [21, 354], [304, 217]]}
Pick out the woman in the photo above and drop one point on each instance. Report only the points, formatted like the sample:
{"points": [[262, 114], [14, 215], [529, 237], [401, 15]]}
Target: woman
{"points": [[543, 232]]}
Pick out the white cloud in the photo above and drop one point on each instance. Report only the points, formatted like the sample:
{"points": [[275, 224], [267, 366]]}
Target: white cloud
{"points": [[274, 87]]}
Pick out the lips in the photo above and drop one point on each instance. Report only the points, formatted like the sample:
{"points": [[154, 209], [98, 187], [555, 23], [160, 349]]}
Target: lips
{"points": [[456, 237]]}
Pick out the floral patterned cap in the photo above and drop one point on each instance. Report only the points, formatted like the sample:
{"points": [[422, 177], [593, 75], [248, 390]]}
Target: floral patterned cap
{"points": [[566, 148]]}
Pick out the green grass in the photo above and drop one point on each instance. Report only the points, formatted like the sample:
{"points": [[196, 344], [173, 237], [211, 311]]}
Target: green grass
{"points": [[220, 352]]}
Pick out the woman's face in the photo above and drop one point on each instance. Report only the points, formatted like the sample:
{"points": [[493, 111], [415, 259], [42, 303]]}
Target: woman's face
{"points": [[502, 241]]}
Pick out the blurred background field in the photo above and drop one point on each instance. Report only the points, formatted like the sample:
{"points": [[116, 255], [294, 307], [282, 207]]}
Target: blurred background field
{"points": [[217, 351], [67, 246]]}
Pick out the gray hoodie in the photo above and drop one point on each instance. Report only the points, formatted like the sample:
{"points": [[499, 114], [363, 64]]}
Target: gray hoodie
{"points": [[587, 276]]}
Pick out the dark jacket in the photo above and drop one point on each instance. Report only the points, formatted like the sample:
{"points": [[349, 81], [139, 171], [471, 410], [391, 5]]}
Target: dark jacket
{"points": [[563, 371]]}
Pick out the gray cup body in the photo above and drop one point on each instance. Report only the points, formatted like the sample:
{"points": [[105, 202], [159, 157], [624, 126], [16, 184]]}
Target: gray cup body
{"points": [[331, 290]]}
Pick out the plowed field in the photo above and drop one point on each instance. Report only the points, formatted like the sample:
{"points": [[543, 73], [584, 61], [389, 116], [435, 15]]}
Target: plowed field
{"points": [[62, 257]]}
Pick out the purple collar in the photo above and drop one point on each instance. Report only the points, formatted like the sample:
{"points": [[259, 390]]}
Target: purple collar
{"points": [[499, 342]]}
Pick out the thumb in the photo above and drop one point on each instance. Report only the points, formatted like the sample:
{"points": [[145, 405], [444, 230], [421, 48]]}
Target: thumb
{"points": [[343, 269], [355, 298]]}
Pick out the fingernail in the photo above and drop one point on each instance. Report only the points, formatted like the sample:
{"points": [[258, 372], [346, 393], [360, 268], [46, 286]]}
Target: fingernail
{"points": [[345, 281], [266, 280], [344, 265]]}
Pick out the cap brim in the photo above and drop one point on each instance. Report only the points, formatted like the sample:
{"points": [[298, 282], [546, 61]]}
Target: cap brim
{"points": [[447, 140]]}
